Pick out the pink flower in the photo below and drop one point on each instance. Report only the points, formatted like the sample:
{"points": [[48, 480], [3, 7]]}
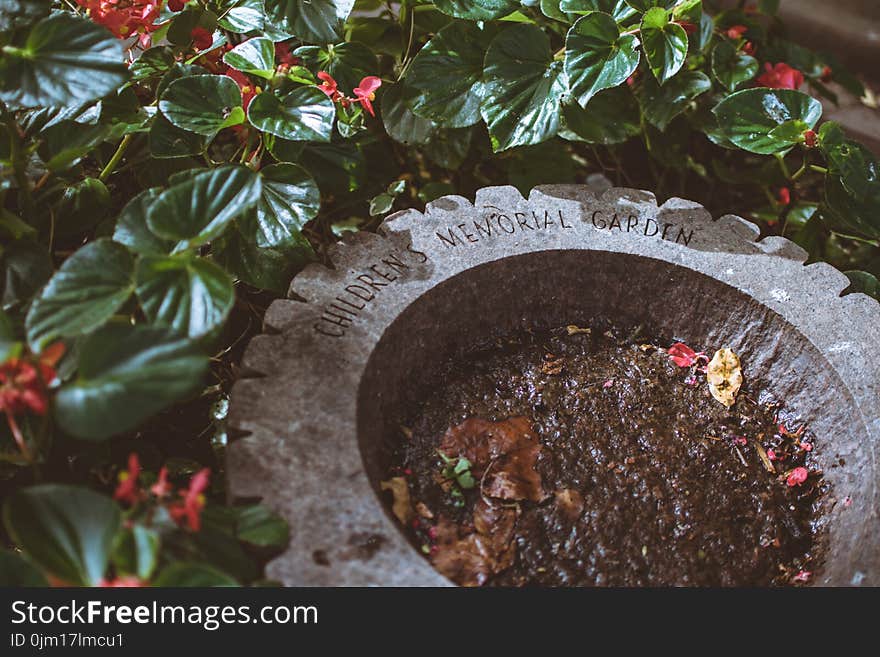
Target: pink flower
{"points": [[608, 383], [684, 356], [128, 491], [188, 509], [796, 477], [807, 447], [328, 86], [780, 76], [365, 92], [126, 581], [740, 440], [771, 454], [736, 32], [803, 576], [162, 487]]}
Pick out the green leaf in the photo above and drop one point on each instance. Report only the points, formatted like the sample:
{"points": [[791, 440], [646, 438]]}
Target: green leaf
{"points": [[597, 57], [401, 123], [289, 198], [24, 269], [550, 8], [153, 62], [203, 104], [17, 14], [862, 281], [748, 117], [246, 17], [348, 63], [66, 530], [168, 141], [662, 104], [381, 204], [82, 205], [258, 525], [314, 21], [448, 148], [18, 572], [264, 268], [857, 166], [126, 374], [65, 143], [523, 88], [447, 76], [132, 230], [665, 44], [730, 67], [182, 574], [187, 293], [65, 60], [851, 214], [612, 117], [85, 292], [645, 5], [477, 10], [255, 56], [618, 9], [304, 114], [136, 551], [199, 209]]}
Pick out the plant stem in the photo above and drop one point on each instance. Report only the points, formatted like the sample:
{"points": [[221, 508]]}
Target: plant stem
{"points": [[117, 156], [783, 166], [818, 169]]}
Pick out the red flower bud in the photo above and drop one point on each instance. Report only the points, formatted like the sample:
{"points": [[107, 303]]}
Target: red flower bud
{"points": [[736, 32], [811, 139], [784, 196]]}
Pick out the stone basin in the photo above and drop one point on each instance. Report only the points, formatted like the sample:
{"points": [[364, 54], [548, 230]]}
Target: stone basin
{"points": [[322, 387]]}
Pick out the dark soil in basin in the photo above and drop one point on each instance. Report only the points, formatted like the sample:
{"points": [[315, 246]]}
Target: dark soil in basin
{"points": [[576, 458]]}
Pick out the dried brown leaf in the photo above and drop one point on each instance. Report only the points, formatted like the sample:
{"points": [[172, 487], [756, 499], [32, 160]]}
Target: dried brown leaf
{"points": [[724, 375], [402, 506], [570, 503]]}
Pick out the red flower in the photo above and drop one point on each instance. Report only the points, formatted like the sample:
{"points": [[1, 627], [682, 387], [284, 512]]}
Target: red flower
{"points": [[202, 39], [283, 56], [781, 76], [24, 388], [188, 509], [771, 454], [328, 86], [784, 196], [126, 581], [365, 92], [811, 139], [736, 32], [176, 5], [248, 90], [749, 48], [684, 356], [128, 490], [797, 476], [162, 487], [826, 74], [125, 18]]}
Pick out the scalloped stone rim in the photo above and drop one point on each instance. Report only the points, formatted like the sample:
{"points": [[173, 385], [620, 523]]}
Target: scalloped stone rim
{"points": [[324, 376]]}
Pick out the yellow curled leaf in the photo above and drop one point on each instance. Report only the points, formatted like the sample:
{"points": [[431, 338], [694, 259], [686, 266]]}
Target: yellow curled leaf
{"points": [[401, 507], [724, 375]]}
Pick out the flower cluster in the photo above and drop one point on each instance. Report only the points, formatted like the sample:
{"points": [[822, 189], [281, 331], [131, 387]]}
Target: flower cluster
{"points": [[185, 509], [780, 76], [126, 18], [364, 93], [24, 388]]}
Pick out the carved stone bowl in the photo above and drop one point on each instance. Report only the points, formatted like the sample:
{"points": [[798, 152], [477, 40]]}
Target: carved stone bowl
{"points": [[322, 387]]}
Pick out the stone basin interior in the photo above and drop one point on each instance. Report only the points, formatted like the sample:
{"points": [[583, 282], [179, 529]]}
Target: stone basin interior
{"points": [[556, 288]]}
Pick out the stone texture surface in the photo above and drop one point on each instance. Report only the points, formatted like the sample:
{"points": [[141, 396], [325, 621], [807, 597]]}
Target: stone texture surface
{"points": [[326, 378]]}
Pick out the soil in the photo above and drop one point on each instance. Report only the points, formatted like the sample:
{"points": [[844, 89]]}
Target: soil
{"points": [[593, 459]]}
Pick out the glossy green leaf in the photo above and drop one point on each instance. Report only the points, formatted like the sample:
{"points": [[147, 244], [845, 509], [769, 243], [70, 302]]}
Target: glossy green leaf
{"points": [[203, 104], [597, 57], [612, 117], [662, 104], [132, 230], [523, 88], [247, 16], [199, 209], [862, 281], [550, 8], [664, 43], [189, 294], [136, 551], [18, 572], [849, 213], [348, 63], [255, 56], [264, 268], [313, 21], [65, 143], [66, 530], [748, 117], [304, 114], [153, 62], [401, 123], [84, 293], [447, 76], [17, 14], [477, 10], [448, 147], [730, 67], [64, 60], [259, 525], [126, 374], [24, 269], [618, 9], [168, 141], [182, 574], [857, 166], [289, 198], [645, 5]]}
